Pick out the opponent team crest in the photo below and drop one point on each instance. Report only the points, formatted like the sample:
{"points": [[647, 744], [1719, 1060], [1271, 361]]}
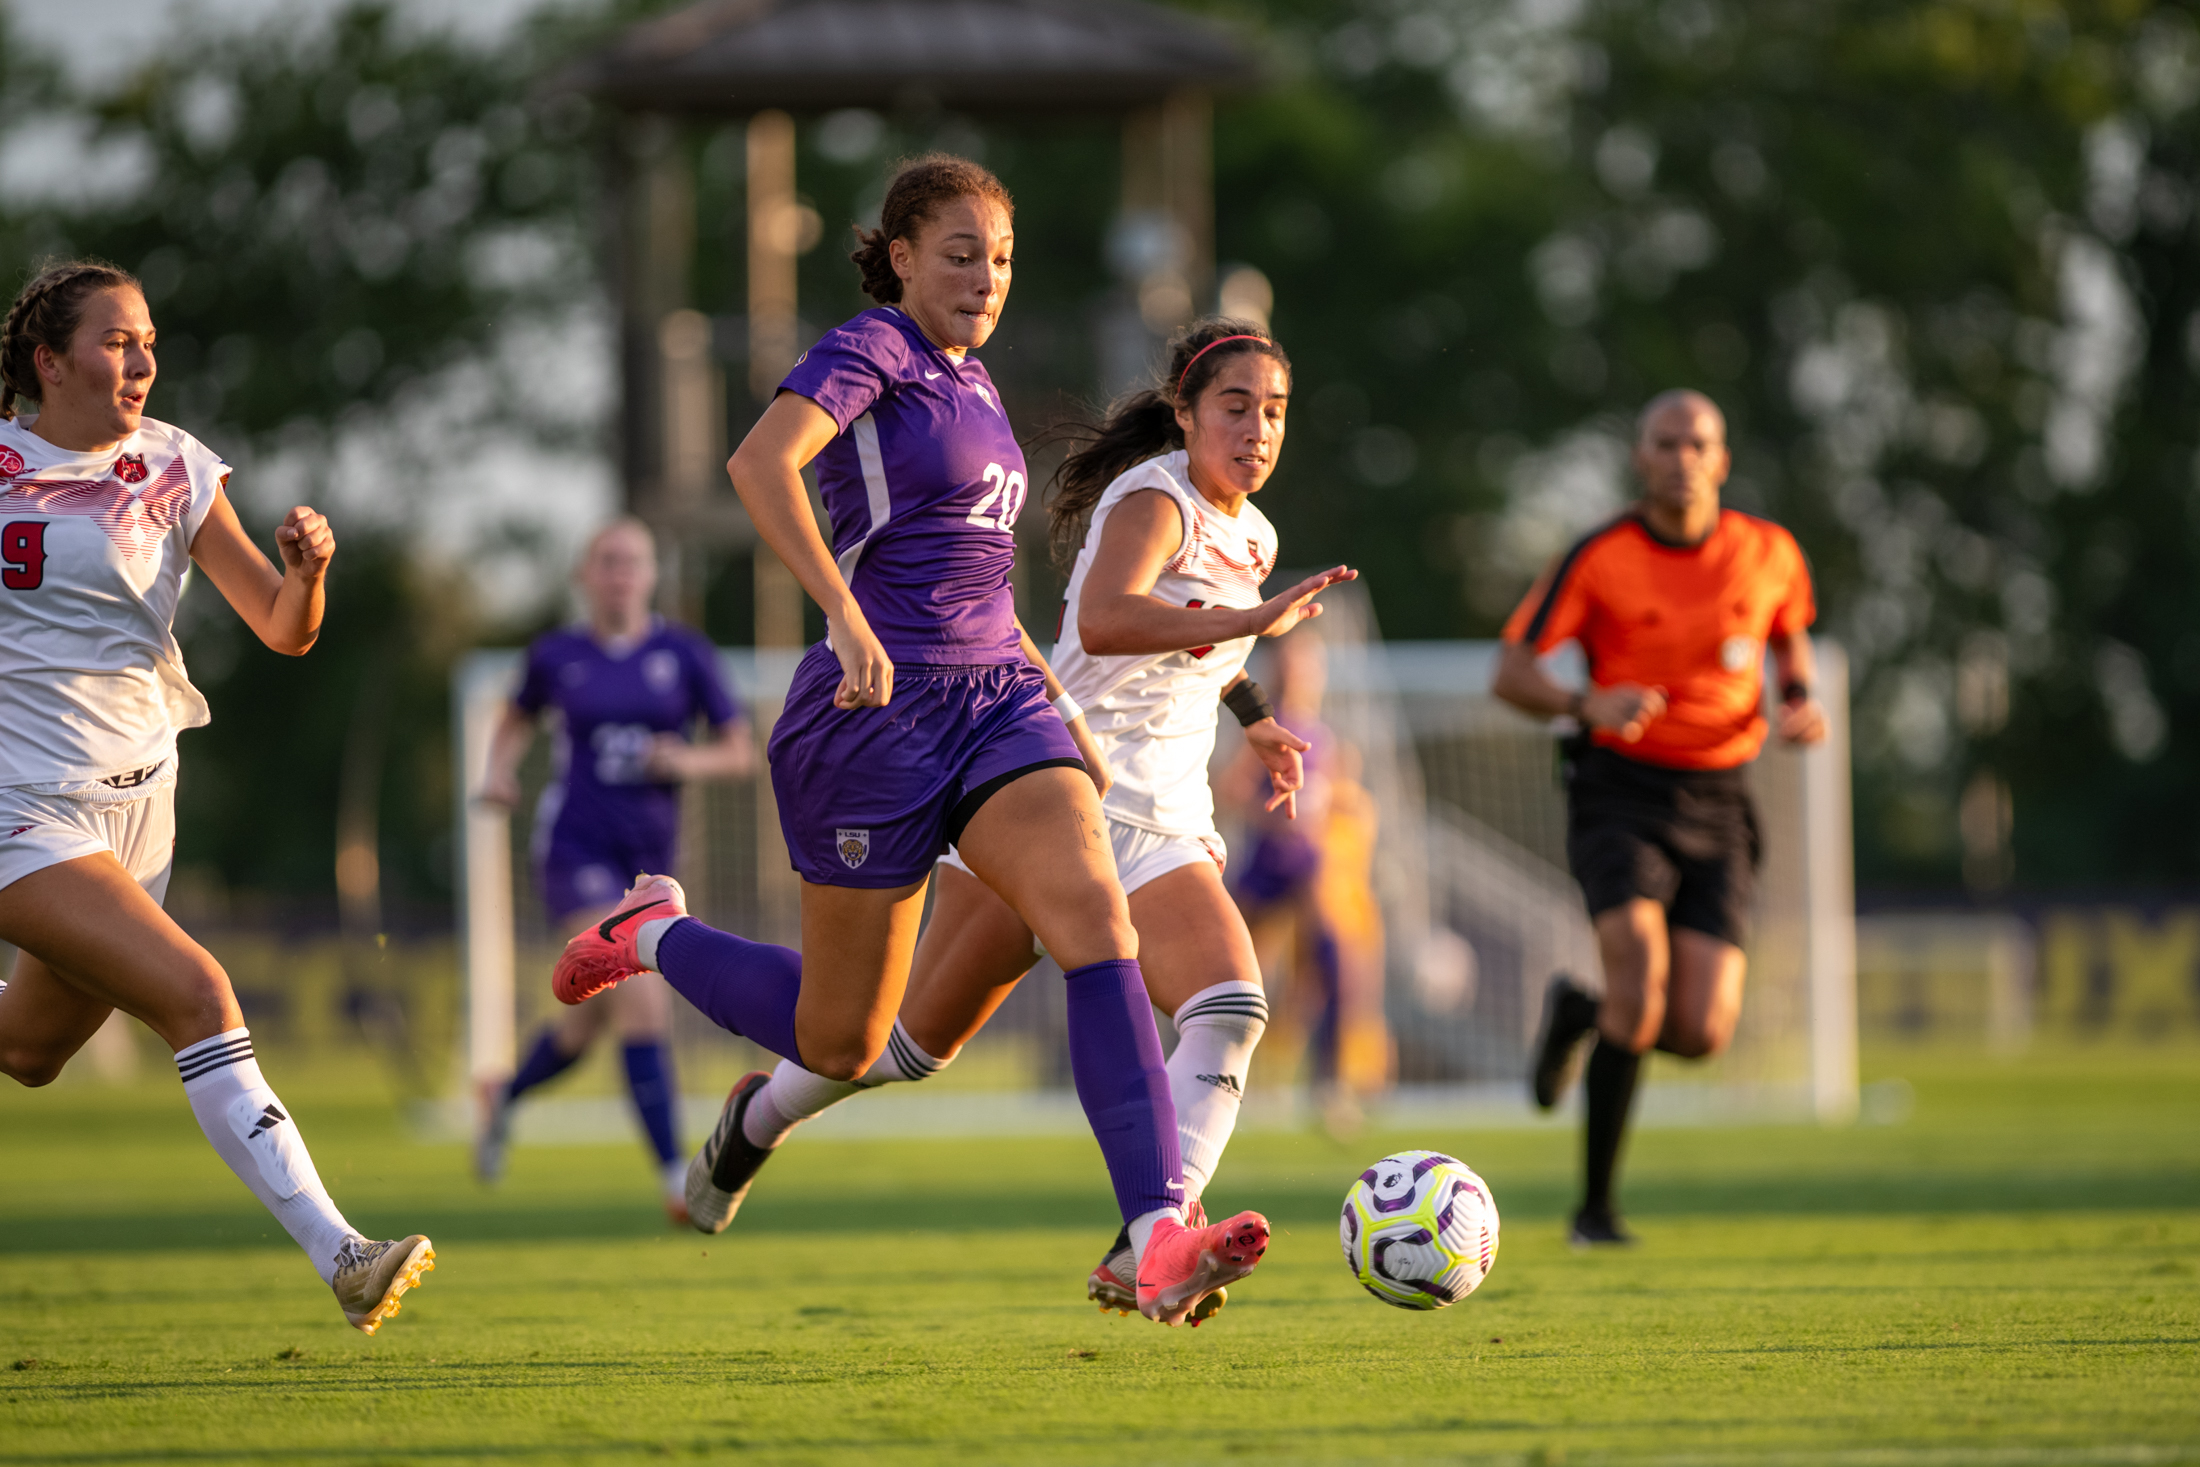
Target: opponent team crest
{"points": [[661, 670], [11, 463], [854, 846], [1736, 653], [130, 468]]}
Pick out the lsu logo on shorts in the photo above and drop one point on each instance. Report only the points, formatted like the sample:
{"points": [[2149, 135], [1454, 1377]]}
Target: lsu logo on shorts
{"points": [[854, 846]]}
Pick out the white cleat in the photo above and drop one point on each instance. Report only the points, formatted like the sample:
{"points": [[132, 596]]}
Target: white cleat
{"points": [[719, 1177], [370, 1277]]}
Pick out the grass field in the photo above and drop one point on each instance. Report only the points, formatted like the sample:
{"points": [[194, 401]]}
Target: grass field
{"points": [[2009, 1277]]}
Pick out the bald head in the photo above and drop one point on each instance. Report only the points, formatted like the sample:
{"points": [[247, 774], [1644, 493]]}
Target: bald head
{"points": [[1685, 402], [1681, 459]]}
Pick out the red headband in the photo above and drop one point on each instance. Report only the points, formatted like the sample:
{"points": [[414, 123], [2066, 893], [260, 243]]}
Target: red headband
{"points": [[1210, 346]]}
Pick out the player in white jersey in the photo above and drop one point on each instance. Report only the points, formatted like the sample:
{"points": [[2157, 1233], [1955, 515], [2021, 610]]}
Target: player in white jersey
{"points": [[102, 510], [1162, 610]]}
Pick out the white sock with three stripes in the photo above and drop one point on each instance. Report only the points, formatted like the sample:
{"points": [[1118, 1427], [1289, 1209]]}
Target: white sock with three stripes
{"points": [[794, 1094], [1216, 1030], [255, 1135]]}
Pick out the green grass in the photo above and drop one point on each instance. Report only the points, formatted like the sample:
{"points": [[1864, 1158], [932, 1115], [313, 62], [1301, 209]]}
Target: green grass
{"points": [[2009, 1277]]}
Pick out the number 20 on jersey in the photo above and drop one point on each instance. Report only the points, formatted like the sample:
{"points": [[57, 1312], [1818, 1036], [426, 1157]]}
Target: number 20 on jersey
{"points": [[1007, 492]]}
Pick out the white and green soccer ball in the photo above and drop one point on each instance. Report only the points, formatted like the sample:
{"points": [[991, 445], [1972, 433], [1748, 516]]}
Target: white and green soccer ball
{"points": [[1419, 1230]]}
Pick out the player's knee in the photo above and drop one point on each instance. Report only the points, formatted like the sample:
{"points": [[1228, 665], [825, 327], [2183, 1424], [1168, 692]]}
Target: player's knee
{"points": [[31, 1067], [838, 1060], [1698, 1041]]}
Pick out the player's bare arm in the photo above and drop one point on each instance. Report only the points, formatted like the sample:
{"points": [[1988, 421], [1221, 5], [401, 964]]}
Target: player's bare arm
{"points": [[1625, 708], [1118, 614], [767, 473], [729, 753], [1802, 718], [283, 607], [508, 745], [1080, 732]]}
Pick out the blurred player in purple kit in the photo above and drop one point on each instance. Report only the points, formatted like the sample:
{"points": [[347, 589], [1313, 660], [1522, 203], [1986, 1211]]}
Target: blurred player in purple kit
{"points": [[923, 720], [626, 689]]}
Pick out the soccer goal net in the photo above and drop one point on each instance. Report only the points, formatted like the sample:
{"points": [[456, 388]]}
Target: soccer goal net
{"points": [[1471, 897]]}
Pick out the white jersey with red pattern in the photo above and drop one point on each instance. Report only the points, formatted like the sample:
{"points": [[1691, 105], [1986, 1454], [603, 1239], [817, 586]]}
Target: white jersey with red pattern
{"points": [[93, 550], [1154, 714]]}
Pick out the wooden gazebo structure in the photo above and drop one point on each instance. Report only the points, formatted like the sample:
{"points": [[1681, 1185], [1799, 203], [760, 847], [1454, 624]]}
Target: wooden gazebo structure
{"points": [[1155, 69]]}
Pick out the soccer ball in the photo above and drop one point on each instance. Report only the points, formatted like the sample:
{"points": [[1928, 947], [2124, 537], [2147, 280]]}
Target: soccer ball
{"points": [[1419, 1230]]}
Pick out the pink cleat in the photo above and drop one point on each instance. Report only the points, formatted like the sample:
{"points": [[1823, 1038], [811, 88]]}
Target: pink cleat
{"points": [[1184, 1266], [603, 956]]}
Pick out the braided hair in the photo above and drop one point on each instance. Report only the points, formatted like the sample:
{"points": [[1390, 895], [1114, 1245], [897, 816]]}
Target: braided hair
{"points": [[1142, 424], [913, 200], [46, 315]]}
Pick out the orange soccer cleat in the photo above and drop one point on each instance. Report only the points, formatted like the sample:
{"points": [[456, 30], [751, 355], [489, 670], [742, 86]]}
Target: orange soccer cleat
{"points": [[603, 956], [1184, 1266]]}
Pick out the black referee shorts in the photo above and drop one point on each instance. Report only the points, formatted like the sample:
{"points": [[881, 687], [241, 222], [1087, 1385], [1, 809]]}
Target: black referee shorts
{"points": [[1685, 838]]}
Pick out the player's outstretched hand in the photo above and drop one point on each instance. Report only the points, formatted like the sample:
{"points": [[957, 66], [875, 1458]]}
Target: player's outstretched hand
{"points": [[306, 542], [1803, 722], [1625, 709], [866, 672], [1279, 750], [1278, 614]]}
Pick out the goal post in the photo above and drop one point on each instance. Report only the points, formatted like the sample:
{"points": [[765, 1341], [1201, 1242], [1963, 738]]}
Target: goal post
{"points": [[1476, 903]]}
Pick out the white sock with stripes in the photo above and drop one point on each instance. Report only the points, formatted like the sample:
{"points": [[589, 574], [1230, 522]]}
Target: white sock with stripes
{"points": [[254, 1133], [794, 1094], [1216, 1030]]}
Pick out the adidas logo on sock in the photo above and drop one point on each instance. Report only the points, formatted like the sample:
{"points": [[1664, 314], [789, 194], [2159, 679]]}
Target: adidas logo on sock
{"points": [[1225, 1082], [268, 1121]]}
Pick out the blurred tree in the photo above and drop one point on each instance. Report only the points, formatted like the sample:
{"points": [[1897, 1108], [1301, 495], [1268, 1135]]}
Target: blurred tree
{"points": [[1918, 252], [339, 227]]}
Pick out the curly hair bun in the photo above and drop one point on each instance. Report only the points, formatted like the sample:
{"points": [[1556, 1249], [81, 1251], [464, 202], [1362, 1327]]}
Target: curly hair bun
{"points": [[920, 187]]}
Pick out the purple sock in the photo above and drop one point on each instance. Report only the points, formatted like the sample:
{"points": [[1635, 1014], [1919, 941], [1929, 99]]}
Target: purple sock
{"points": [[649, 1081], [544, 1062], [746, 988], [1122, 1081]]}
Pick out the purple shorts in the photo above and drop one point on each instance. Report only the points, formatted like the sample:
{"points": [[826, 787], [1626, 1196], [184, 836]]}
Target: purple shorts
{"points": [[865, 794], [586, 876]]}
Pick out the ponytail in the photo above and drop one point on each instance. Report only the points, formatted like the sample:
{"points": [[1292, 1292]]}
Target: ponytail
{"points": [[1142, 424], [46, 315]]}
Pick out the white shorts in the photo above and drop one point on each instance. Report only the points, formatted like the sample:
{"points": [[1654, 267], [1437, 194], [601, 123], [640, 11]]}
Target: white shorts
{"points": [[1142, 855], [37, 831]]}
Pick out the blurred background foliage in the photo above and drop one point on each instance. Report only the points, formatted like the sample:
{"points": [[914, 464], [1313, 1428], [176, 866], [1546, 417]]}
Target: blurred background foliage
{"points": [[1937, 261]]}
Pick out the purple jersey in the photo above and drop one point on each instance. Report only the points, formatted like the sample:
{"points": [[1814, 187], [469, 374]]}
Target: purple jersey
{"points": [[613, 708], [923, 486]]}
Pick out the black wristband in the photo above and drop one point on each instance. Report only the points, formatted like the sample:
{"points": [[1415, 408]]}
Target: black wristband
{"points": [[1795, 691], [1248, 702]]}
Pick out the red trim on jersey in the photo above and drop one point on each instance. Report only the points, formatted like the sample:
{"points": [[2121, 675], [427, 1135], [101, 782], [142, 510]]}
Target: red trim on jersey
{"points": [[135, 522]]}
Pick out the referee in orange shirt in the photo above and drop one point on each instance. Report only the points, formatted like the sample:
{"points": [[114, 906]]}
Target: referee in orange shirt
{"points": [[1675, 603]]}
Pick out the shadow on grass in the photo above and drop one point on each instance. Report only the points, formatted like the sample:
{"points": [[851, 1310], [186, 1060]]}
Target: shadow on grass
{"points": [[511, 1219]]}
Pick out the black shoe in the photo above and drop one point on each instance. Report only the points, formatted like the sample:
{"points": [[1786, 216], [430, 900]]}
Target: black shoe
{"points": [[1599, 1228], [1569, 1012]]}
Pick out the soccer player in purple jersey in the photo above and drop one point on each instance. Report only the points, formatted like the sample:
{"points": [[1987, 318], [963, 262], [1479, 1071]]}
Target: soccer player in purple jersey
{"points": [[923, 720], [626, 688]]}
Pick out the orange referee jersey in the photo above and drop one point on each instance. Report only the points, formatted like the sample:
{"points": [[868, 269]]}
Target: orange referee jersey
{"points": [[1690, 619]]}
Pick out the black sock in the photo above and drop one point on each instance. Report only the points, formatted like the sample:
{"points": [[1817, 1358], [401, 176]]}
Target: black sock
{"points": [[1610, 1086], [1577, 1011]]}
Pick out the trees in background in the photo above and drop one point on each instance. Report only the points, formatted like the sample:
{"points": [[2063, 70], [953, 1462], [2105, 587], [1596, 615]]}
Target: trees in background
{"points": [[1935, 259]]}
